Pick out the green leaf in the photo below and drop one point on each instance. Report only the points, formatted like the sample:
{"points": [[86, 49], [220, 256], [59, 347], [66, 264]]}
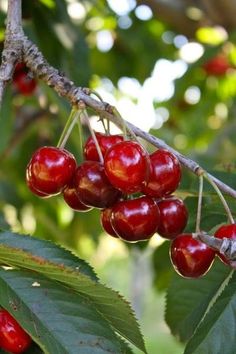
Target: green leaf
{"points": [[162, 266], [57, 318], [188, 300], [216, 334], [32, 254], [6, 119]]}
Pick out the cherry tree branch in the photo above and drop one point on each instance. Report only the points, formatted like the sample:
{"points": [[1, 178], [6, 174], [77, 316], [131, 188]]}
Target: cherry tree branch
{"points": [[12, 45]]}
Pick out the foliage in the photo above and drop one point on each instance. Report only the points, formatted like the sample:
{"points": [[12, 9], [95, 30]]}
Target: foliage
{"points": [[202, 127]]}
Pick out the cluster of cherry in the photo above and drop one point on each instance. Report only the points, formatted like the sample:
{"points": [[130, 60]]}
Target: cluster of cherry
{"points": [[132, 188], [13, 338]]}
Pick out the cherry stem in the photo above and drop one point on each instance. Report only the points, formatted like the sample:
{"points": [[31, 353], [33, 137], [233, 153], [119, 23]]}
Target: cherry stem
{"points": [[199, 206], [86, 117], [220, 195], [74, 114], [81, 143], [125, 127]]}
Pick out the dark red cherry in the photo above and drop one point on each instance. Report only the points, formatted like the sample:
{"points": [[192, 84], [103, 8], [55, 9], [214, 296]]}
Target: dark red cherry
{"points": [[104, 141], [136, 219], [173, 217], [35, 191], [105, 220], [165, 174], [226, 231], [13, 338], [50, 169], [127, 166], [24, 83], [217, 66], [72, 199], [93, 186], [190, 257]]}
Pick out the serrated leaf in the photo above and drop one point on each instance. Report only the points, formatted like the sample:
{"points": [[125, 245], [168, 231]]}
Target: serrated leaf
{"points": [[57, 318], [216, 334], [24, 252], [188, 299]]}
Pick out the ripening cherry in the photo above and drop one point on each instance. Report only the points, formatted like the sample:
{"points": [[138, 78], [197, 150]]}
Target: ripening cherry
{"points": [[93, 186], [104, 141], [105, 220], [173, 217], [22, 81], [135, 219], [190, 257], [226, 231], [127, 166], [13, 337], [217, 66], [165, 174], [72, 199], [50, 169]]}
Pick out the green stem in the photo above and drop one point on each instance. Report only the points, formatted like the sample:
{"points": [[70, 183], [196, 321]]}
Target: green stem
{"points": [[80, 139], [93, 136], [199, 206], [71, 126], [226, 207], [125, 127], [64, 132]]}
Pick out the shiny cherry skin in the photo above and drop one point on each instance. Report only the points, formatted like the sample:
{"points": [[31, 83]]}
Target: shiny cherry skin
{"points": [[165, 174], [226, 231], [135, 219], [173, 217], [190, 257], [72, 199], [50, 169], [127, 166], [35, 191], [104, 141], [105, 220], [93, 186], [13, 338], [217, 66]]}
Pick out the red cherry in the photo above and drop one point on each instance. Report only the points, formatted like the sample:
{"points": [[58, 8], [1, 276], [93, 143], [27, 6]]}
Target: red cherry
{"points": [[105, 220], [190, 257], [35, 191], [93, 186], [226, 231], [71, 198], [24, 84], [50, 169], [136, 219], [13, 338], [104, 141], [165, 174], [217, 66], [127, 166], [173, 217]]}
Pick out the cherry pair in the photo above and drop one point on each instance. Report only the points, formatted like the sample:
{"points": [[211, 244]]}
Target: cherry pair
{"points": [[13, 338], [192, 258]]}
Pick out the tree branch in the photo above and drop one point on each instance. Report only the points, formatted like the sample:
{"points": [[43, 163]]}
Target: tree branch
{"points": [[12, 45]]}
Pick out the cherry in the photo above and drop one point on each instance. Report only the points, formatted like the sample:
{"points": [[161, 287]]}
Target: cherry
{"points": [[173, 217], [105, 220], [72, 199], [226, 231], [217, 66], [93, 186], [190, 257], [50, 169], [136, 219], [35, 191], [13, 338], [24, 84], [165, 174], [127, 166], [104, 141]]}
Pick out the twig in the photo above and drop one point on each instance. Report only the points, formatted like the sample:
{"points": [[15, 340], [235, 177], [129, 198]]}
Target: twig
{"points": [[12, 45]]}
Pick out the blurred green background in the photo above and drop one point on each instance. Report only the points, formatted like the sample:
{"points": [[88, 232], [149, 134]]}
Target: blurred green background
{"points": [[151, 60]]}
